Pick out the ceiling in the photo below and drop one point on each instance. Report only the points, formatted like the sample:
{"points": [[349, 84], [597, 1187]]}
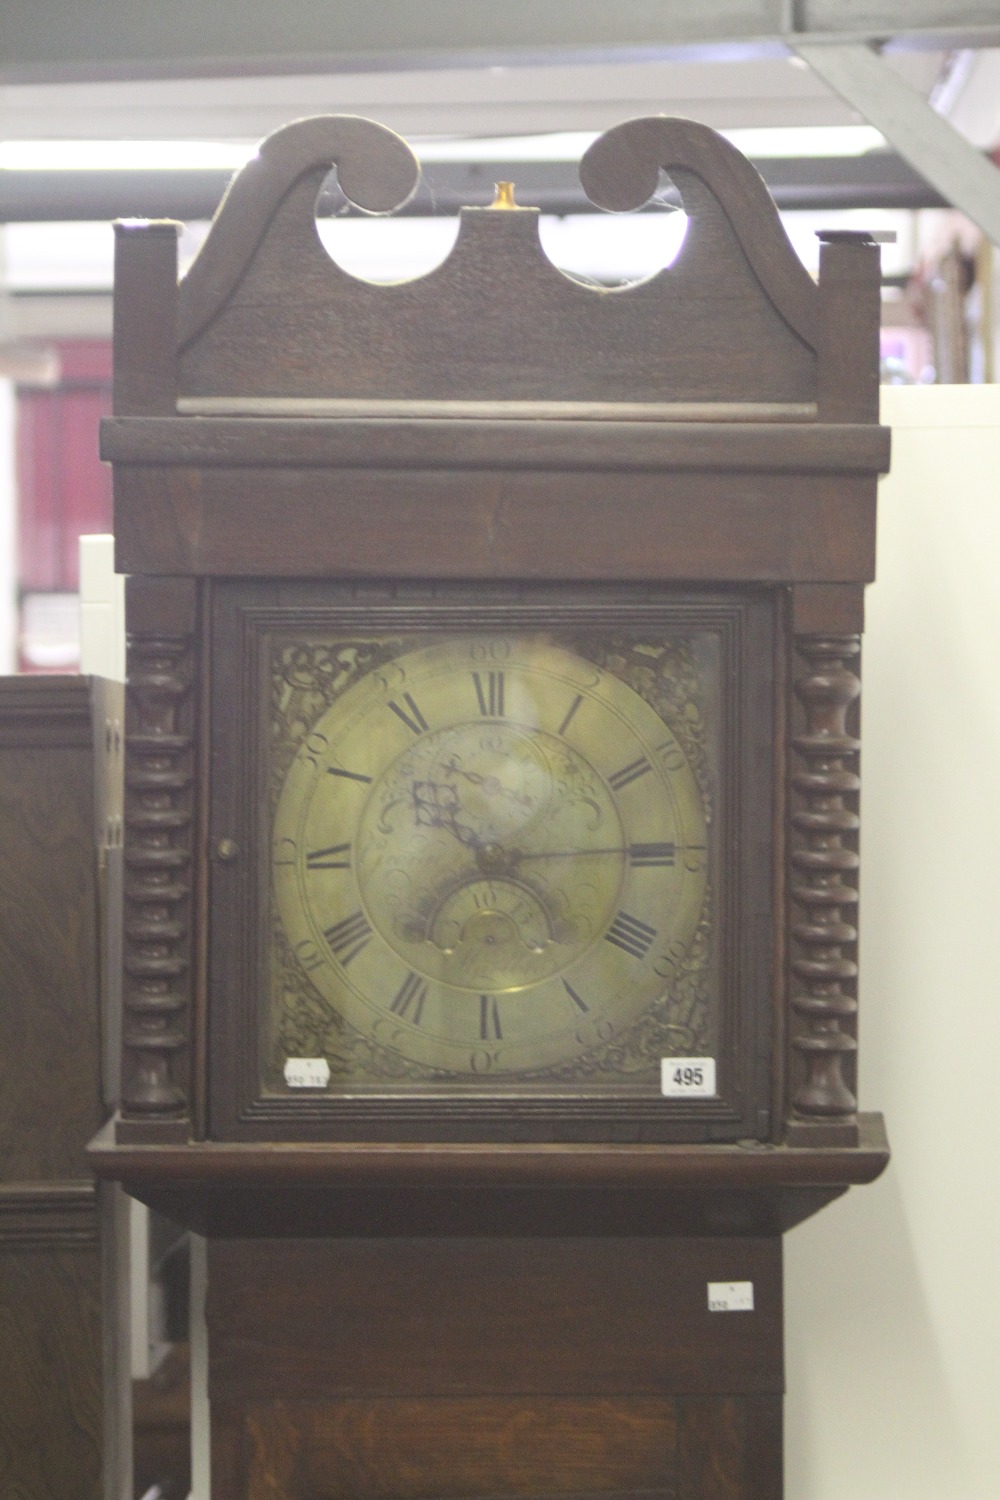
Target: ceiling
{"points": [[120, 70], [489, 100]]}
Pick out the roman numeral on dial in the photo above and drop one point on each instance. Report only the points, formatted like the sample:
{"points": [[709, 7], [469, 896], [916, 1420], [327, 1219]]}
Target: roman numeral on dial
{"points": [[489, 1019], [409, 1001], [414, 719], [630, 934], [489, 693], [348, 775], [645, 855], [327, 859], [629, 773], [347, 938], [581, 1005], [569, 714]]}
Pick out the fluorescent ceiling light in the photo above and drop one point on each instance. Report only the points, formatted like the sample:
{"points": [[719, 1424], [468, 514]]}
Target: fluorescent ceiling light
{"points": [[807, 140], [566, 146], [563, 145], [122, 156], [569, 145]]}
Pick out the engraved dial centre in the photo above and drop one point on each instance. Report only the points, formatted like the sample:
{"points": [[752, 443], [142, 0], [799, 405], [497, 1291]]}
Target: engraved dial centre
{"points": [[492, 856]]}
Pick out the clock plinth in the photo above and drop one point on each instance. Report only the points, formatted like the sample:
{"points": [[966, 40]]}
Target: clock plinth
{"points": [[491, 820]]}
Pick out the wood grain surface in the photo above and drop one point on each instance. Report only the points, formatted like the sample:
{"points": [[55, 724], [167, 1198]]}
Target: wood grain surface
{"points": [[703, 328], [428, 1317], [493, 1368], [395, 1450], [159, 852], [50, 1375], [524, 523], [49, 1061], [474, 1362], [50, 1284]]}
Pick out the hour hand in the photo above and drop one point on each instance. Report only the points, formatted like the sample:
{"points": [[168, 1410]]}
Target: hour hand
{"points": [[436, 805]]}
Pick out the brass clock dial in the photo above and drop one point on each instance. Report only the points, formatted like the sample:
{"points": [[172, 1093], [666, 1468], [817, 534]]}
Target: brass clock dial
{"points": [[490, 858]]}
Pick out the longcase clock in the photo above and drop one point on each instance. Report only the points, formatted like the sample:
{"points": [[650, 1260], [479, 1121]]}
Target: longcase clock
{"points": [[491, 780]]}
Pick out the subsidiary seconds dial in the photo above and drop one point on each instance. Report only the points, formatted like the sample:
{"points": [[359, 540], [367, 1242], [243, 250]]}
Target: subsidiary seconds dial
{"points": [[489, 856]]}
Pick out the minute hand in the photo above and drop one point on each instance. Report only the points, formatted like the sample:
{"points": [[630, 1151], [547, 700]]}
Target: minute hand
{"points": [[640, 854], [565, 853]]}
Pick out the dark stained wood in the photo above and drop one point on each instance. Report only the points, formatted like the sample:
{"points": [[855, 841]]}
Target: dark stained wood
{"points": [[313, 1319], [381, 1449], [490, 442], [161, 1419], [50, 1374], [823, 890], [159, 858], [370, 1189], [383, 409], [44, 712], [621, 171], [731, 1449], [376, 170], [494, 1367], [48, 967], [50, 1331], [719, 527], [755, 1165], [827, 609], [229, 1451], [496, 1318], [145, 316], [849, 321], [226, 1209], [36, 1214], [556, 338]]}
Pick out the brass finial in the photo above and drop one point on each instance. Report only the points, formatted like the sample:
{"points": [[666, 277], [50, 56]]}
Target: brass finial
{"points": [[504, 195]]}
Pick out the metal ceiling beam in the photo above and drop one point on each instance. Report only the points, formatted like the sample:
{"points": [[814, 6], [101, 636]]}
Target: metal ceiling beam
{"points": [[878, 179], [49, 40], [932, 146]]}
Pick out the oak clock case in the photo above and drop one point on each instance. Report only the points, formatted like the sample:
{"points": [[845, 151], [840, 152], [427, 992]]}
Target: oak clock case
{"points": [[482, 868]]}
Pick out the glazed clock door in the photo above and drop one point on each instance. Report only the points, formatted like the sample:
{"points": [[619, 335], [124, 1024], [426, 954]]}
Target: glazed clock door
{"points": [[496, 856]]}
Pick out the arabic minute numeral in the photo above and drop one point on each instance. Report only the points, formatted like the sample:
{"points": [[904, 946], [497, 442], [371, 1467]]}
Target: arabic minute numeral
{"points": [[284, 852], [695, 856], [308, 955], [316, 744], [671, 756], [490, 651]]}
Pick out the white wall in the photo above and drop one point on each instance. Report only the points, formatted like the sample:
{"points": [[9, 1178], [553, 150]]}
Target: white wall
{"points": [[893, 1304]]}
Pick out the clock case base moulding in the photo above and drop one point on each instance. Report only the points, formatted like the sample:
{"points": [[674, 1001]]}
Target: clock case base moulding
{"points": [[232, 1189]]}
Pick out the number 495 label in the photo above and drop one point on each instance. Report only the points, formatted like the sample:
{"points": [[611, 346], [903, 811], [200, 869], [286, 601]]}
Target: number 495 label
{"points": [[687, 1077]]}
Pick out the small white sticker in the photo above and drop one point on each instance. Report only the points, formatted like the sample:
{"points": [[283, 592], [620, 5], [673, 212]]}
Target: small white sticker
{"points": [[687, 1077], [730, 1296], [307, 1072]]}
